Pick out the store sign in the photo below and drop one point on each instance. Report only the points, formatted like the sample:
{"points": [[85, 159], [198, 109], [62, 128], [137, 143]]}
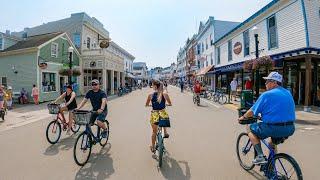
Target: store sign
{"points": [[42, 63], [237, 48], [93, 64], [104, 44]]}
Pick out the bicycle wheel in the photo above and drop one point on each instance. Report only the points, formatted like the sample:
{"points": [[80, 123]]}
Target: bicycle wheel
{"points": [[223, 99], [198, 101], [53, 132], [104, 141], [160, 151], [216, 98], [82, 148], [194, 99], [75, 128], [245, 152], [283, 166]]}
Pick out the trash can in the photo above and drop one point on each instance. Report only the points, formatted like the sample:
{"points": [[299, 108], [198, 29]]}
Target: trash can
{"points": [[246, 99]]}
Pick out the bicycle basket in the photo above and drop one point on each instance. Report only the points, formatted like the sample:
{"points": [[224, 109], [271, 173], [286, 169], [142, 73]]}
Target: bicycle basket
{"points": [[82, 117], [53, 108]]}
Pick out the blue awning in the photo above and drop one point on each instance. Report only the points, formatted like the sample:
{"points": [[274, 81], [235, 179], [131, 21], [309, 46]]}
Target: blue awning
{"points": [[227, 68]]}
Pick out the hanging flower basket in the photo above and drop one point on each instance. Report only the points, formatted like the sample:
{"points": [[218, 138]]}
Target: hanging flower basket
{"points": [[255, 64], [68, 72]]}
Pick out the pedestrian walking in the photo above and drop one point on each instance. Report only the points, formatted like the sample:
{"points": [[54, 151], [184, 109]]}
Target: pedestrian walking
{"points": [[35, 94], [9, 97], [23, 98], [233, 87], [248, 85], [181, 85], [2, 97]]}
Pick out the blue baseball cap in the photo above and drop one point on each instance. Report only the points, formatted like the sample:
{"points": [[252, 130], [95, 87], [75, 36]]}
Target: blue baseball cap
{"points": [[274, 76]]}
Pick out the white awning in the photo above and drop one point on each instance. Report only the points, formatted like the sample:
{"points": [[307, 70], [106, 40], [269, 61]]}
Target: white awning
{"points": [[129, 75]]}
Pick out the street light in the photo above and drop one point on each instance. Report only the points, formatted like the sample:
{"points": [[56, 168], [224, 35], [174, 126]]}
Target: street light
{"points": [[70, 51], [255, 31]]}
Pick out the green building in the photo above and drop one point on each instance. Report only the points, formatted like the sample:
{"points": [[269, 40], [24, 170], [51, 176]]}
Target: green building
{"points": [[37, 60]]}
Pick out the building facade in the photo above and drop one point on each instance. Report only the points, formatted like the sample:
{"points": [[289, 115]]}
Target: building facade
{"points": [[97, 63], [140, 71], [37, 60], [288, 32]]}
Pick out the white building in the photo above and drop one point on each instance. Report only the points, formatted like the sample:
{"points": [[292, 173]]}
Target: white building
{"points": [[140, 71], [288, 31]]}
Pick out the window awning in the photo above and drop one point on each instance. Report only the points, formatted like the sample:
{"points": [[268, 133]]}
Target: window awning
{"points": [[204, 70], [227, 68], [129, 75]]}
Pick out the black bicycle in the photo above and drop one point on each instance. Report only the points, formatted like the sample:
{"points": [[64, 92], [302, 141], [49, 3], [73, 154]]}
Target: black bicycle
{"points": [[86, 139], [196, 99]]}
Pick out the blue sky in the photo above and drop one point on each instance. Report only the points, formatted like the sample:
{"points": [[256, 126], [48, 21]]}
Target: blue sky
{"points": [[151, 30]]}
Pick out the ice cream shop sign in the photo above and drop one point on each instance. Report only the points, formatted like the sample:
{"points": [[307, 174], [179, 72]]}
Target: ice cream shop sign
{"points": [[237, 48]]}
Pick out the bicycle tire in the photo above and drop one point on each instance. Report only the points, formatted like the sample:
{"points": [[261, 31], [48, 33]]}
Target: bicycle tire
{"points": [[88, 145], [216, 98], [238, 148], [75, 128], [58, 126], [198, 101], [103, 144], [291, 160], [223, 99]]}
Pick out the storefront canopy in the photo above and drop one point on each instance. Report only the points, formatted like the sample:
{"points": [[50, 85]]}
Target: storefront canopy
{"points": [[228, 68], [129, 75], [204, 70]]}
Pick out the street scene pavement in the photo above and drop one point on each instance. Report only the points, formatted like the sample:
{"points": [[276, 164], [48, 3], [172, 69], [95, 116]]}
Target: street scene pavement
{"points": [[202, 144]]}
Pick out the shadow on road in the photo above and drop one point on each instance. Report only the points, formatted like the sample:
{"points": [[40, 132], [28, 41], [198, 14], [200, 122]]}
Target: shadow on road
{"points": [[173, 170], [64, 145], [100, 166], [308, 122], [256, 175]]}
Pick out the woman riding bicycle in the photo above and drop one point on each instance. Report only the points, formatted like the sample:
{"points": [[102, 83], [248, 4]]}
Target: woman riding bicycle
{"points": [[70, 104], [158, 101], [2, 97]]}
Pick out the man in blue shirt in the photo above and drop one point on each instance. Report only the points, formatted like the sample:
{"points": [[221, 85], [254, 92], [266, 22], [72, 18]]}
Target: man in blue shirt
{"points": [[277, 109], [98, 99]]}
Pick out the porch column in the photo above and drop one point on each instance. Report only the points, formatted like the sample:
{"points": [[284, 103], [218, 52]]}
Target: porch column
{"points": [[123, 81], [214, 82], [104, 79], [118, 79], [308, 85], [112, 82]]}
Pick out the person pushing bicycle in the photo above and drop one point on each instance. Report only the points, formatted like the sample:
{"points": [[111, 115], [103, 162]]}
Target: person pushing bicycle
{"points": [[98, 99], [277, 109]]}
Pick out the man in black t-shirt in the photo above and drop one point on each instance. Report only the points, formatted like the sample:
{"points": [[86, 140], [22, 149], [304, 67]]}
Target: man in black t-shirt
{"points": [[98, 99]]}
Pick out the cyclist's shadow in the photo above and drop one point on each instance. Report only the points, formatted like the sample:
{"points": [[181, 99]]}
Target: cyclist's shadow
{"points": [[100, 166], [64, 144], [171, 169]]}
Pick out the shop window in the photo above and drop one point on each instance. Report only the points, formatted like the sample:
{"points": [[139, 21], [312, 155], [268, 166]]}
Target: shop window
{"points": [[230, 50], [246, 42], [4, 81], [48, 82], [272, 32], [54, 50]]}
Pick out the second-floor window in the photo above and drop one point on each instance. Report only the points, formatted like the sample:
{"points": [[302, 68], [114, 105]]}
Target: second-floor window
{"points": [[88, 42], [230, 50], [246, 43], [76, 40], [218, 55], [272, 32], [54, 50]]}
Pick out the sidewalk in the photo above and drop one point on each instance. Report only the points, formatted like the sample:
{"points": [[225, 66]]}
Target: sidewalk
{"points": [[302, 117], [28, 113]]}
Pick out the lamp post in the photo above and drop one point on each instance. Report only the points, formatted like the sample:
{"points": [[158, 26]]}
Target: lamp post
{"points": [[255, 31], [70, 51]]}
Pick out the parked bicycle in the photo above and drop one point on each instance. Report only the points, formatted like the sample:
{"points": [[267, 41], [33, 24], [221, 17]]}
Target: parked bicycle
{"points": [[276, 166], [220, 97], [87, 139], [53, 132]]}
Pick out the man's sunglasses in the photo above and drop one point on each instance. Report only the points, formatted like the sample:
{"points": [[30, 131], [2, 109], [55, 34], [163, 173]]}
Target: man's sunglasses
{"points": [[268, 81], [94, 84]]}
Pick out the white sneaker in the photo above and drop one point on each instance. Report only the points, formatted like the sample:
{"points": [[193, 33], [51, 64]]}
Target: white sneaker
{"points": [[259, 160]]}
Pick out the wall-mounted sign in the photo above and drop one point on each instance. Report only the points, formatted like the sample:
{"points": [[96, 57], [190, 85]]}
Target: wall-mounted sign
{"points": [[237, 48], [42, 63], [104, 44], [93, 64]]}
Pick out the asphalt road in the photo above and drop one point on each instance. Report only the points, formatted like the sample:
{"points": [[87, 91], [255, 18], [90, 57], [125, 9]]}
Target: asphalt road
{"points": [[201, 145]]}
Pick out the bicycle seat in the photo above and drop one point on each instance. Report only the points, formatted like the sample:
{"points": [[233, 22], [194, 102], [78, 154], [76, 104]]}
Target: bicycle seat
{"points": [[277, 141]]}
